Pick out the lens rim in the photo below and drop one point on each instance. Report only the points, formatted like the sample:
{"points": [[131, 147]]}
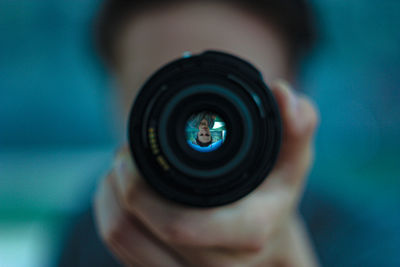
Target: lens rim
{"points": [[170, 182], [210, 89]]}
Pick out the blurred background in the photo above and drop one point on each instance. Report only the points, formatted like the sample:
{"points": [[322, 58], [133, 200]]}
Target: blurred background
{"points": [[57, 137]]}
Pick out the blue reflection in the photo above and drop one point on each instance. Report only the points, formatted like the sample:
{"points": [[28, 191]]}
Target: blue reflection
{"points": [[211, 147]]}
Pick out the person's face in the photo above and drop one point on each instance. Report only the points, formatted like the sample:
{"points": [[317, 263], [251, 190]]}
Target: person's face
{"points": [[203, 125], [159, 35], [204, 135]]}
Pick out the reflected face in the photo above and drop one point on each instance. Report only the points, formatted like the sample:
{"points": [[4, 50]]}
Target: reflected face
{"points": [[204, 135], [156, 36], [205, 129], [204, 125]]}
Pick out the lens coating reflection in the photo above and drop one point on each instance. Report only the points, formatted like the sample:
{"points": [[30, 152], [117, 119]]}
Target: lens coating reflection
{"points": [[205, 131]]}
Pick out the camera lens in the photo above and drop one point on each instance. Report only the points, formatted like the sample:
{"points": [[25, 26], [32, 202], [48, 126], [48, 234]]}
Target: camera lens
{"points": [[205, 130]]}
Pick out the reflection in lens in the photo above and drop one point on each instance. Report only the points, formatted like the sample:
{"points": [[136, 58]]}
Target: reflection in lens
{"points": [[205, 131]]}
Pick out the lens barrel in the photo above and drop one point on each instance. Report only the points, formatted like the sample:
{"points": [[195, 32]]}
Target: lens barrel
{"points": [[219, 83]]}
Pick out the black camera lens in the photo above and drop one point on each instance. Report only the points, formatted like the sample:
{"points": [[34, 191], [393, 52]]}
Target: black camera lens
{"points": [[205, 130]]}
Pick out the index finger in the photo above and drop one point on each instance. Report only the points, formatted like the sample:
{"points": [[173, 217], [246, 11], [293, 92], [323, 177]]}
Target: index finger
{"points": [[299, 120]]}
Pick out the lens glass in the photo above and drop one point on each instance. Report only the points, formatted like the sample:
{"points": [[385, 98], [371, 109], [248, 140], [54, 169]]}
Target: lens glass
{"points": [[205, 131]]}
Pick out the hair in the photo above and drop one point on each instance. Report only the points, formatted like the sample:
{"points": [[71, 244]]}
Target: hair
{"points": [[292, 18], [196, 119]]}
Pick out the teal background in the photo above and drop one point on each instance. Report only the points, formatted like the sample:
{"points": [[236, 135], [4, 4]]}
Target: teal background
{"points": [[58, 111]]}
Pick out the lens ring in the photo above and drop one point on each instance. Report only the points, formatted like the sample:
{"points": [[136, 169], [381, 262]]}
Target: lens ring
{"points": [[208, 67], [213, 89]]}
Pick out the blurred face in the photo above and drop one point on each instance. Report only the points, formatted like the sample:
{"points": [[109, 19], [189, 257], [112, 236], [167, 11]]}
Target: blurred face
{"points": [[203, 125], [204, 135], [159, 35]]}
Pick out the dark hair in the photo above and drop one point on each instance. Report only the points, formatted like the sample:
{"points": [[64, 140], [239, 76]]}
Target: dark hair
{"points": [[291, 17]]}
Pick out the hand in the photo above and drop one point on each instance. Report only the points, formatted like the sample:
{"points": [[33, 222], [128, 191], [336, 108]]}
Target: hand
{"points": [[143, 229]]}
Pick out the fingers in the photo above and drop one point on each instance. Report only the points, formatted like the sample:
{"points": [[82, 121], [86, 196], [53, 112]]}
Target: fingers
{"points": [[217, 257], [134, 244], [299, 121], [243, 225], [222, 256], [125, 235]]}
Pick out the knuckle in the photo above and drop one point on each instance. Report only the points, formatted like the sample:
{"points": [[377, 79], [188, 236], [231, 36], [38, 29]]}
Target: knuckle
{"points": [[129, 196], [115, 233], [129, 189], [132, 195], [179, 232], [265, 222], [256, 245]]}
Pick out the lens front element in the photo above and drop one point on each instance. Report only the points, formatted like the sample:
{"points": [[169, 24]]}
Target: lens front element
{"points": [[205, 131]]}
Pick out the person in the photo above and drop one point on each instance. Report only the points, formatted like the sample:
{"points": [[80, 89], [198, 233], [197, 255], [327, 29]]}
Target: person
{"points": [[204, 142], [204, 137], [202, 122], [139, 227]]}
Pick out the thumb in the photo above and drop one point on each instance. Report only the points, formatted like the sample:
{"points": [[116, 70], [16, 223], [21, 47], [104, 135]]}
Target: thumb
{"points": [[299, 120]]}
